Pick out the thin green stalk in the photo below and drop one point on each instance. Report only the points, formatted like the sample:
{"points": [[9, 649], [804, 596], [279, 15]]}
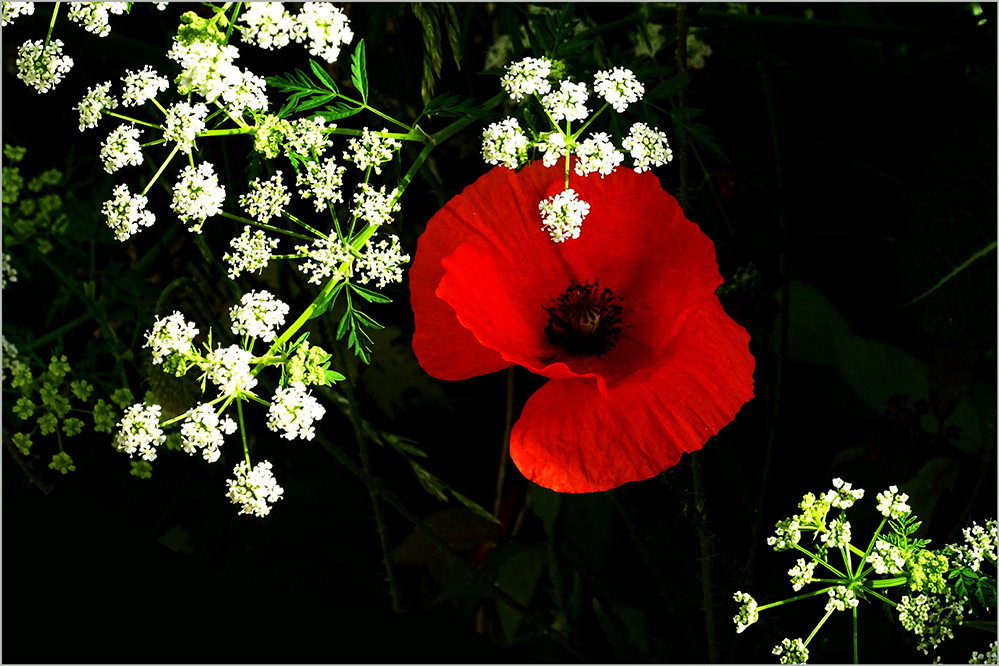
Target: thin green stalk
{"points": [[160, 170], [362, 447], [505, 446], [242, 431], [819, 625], [267, 227], [52, 21], [444, 547], [132, 120], [856, 647]]}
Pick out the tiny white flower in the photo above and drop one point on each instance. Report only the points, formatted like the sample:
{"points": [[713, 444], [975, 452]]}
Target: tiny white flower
{"points": [[251, 251], [787, 535], [618, 87], [229, 369], [801, 573], [838, 534], [126, 212], [139, 431], [42, 69], [324, 256], [381, 262], [792, 651], [375, 206], [555, 148], [322, 181], [891, 503], [568, 102], [293, 412], [267, 24], [95, 101], [748, 612], [840, 598], [597, 154], [11, 10], [308, 137], [142, 85], [201, 431], [183, 123], [527, 77], [245, 91], [93, 16], [170, 335], [326, 28], [7, 271], [562, 215], [267, 199], [121, 148], [371, 150], [259, 314], [886, 558], [207, 66], [254, 490], [842, 496], [197, 195], [647, 147], [505, 143]]}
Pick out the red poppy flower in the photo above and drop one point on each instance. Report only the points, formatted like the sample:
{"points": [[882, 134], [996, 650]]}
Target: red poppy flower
{"points": [[643, 362]]}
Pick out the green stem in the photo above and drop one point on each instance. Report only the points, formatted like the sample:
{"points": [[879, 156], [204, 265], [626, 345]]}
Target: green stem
{"points": [[709, 615], [588, 121], [267, 227], [809, 595], [819, 625], [52, 21], [226, 132], [505, 446], [160, 170], [362, 446], [304, 225], [242, 431], [132, 120], [856, 648]]}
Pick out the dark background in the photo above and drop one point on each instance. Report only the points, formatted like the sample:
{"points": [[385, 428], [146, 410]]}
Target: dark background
{"points": [[880, 181]]}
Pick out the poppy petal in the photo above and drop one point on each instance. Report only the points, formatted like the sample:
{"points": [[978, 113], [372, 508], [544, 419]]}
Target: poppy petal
{"points": [[571, 437]]}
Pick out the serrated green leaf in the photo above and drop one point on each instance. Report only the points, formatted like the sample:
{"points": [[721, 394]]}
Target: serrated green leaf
{"points": [[358, 71], [332, 377], [342, 328], [323, 76], [317, 100], [473, 506], [366, 320], [368, 295], [330, 299], [338, 112]]}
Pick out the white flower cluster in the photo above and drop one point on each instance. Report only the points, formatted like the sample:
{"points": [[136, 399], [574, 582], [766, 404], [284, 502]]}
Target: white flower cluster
{"points": [[93, 16], [7, 272], [647, 147], [325, 256], [183, 123], [322, 181], [251, 252], [841, 598], [202, 431], [229, 369], [170, 335], [838, 534], [568, 102], [267, 24], [886, 558], [245, 91], [748, 613], [258, 315], [842, 496], [142, 85], [308, 136], [9, 355], [891, 503], [787, 535], [95, 101], [293, 412], [197, 195], [375, 206], [931, 617], [562, 215], [42, 67], [979, 545], [505, 143], [527, 77], [139, 431], [597, 154], [792, 651], [990, 657], [121, 148], [207, 66], [618, 87], [254, 490], [382, 262], [11, 10], [267, 199], [802, 573], [371, 150], [326, 28], [555, 147], [125, 212]]}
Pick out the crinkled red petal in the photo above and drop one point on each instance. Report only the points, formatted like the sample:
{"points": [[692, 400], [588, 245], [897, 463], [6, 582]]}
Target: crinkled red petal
{"points": [[571, 437]]}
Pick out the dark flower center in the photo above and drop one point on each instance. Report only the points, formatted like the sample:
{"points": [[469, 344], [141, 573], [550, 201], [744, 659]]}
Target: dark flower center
{"points": [[584, 320]]}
